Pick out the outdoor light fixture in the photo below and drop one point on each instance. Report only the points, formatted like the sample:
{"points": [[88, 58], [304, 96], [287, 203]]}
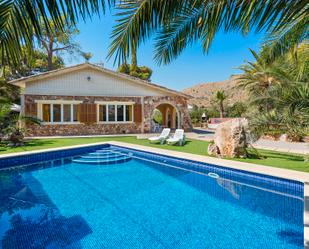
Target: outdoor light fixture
{"points": [[88, 78]]}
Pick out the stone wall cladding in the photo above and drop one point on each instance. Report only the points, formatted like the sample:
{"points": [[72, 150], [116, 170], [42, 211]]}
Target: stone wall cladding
{"points": [[180, 103], [85, 99], [150, 103], [80, 129]]}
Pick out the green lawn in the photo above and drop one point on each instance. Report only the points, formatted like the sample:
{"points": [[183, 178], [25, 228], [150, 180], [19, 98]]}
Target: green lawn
{"points": [[272, 158]]}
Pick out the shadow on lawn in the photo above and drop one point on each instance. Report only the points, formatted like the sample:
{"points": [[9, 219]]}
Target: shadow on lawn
{"points": [[261, 154], [27, 144], [180, 147], [39, 142], [289, 157]]}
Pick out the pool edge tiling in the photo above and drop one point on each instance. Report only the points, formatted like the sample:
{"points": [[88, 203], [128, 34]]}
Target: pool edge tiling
{"points": [[49, 154]]}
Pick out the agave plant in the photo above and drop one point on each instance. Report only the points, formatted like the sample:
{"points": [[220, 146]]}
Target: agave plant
{"points": [[14, 131]]}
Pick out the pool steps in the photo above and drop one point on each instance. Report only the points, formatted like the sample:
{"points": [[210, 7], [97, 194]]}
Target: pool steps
{"points": [[103, 156]]}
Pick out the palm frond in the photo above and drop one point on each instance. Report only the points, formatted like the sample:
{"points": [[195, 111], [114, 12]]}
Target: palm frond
{"points": [[177, 35], [287, 39], [295, 98], [138, 20], [21, 19]]}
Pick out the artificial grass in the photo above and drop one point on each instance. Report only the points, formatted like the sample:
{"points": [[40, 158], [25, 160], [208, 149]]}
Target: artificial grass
{"points": [[269, 158]]}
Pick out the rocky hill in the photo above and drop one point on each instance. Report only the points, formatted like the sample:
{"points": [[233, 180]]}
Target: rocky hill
{"points": [[203, 93]]}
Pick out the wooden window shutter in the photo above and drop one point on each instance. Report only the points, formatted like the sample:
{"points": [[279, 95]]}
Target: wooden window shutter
{"points": [[83, 113], [88, 113], [31, 110], [137, 113], [92, 113]]}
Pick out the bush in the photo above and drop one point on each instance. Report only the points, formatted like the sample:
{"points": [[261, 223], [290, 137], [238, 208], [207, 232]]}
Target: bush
{"points": [[238, 109]]}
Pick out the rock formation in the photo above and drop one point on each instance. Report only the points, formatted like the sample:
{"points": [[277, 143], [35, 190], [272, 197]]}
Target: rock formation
{"points": [[231, 139]]}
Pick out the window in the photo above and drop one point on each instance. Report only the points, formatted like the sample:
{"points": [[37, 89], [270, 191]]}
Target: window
{"points": [[102, 113], [120, 116], [56, 113], [67, 113], [60, 113], [115, 113], [111, 113]]}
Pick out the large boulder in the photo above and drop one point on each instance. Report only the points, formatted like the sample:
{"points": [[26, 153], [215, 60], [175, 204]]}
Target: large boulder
{"points": [[231, 138], [212, 150]]}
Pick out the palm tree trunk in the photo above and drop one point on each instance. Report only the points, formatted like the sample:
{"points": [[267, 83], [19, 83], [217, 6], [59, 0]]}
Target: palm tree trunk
{"points": [[50, 55], [133, 59], [49, 61], [221, 110]]}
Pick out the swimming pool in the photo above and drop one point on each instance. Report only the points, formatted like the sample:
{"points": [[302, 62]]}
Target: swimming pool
{"points": [[115, 197]]}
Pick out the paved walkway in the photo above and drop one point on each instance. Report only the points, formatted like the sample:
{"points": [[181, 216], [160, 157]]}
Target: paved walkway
{"points": [[301, 148]]}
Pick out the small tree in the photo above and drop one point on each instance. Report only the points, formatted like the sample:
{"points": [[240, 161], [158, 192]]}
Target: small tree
{"points": [[133, 69], [31, 62], [86, 55], [238, 109], [143, 72], [14, 131], [220, 97], [196, 114], [57, 40], [157, 117]]}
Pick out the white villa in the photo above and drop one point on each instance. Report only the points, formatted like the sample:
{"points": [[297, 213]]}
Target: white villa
{"points": [[87, 99]]}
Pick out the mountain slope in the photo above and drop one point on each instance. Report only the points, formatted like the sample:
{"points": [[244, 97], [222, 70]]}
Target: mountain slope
{"points": [[203, 93]]}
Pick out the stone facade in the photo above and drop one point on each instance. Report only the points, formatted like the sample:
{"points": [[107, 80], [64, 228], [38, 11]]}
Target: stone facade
{"points": [[178, 102], [148, 104], [82, 129]]}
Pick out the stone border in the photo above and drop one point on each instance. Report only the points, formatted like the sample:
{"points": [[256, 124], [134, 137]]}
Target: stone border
{"points": [[306, 215], [249, 167], [50, 150], [253, 168]]}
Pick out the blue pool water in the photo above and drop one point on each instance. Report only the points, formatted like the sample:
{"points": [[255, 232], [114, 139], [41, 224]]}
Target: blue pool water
{"points": [[117, 198]]}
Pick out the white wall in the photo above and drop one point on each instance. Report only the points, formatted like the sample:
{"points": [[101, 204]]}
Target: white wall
{"points": [[100, 84]]}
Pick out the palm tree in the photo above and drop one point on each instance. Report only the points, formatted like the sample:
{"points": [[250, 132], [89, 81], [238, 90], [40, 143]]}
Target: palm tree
{"points": [[289, 113], [220, 97], [294, 98], [22, 19], [278, 93], [263, 75], [178, 24], [259, 76]]}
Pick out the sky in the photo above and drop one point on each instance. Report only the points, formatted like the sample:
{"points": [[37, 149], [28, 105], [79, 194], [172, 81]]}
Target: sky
{"points": [[226, 54]]}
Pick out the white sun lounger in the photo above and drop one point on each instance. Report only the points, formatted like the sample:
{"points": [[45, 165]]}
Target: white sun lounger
{"points": [[178, 138], [163, 136]]}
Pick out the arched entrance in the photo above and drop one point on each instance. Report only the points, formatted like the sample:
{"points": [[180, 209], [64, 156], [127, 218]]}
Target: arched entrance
{"points": [[165, 115]]}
